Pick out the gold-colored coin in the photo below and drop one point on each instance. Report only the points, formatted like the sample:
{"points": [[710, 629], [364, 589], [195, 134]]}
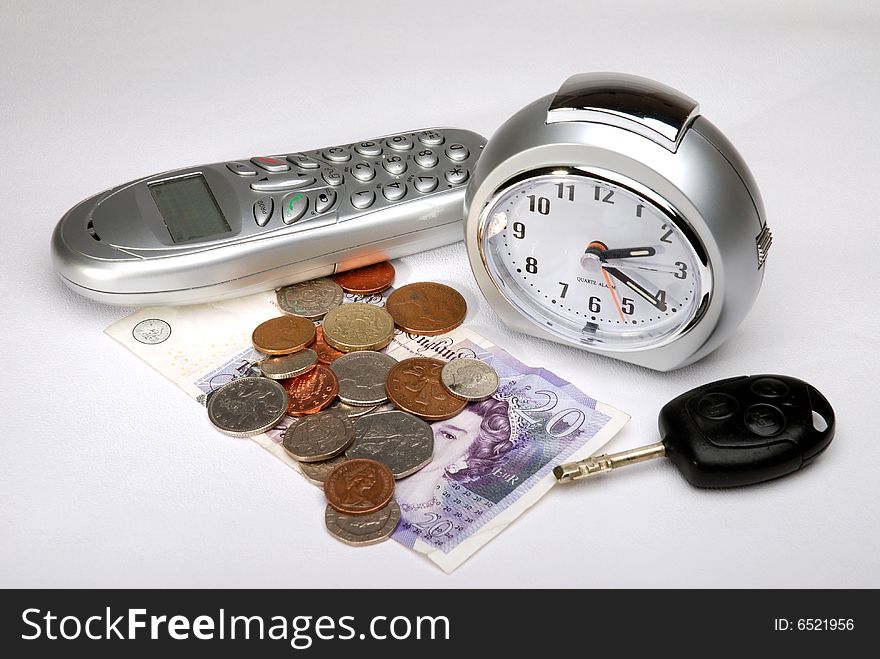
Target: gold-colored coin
{"points": [[358, 326], [283, 335]]}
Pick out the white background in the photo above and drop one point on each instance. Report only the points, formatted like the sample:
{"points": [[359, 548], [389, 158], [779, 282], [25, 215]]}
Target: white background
{"points": [[110, 476]]}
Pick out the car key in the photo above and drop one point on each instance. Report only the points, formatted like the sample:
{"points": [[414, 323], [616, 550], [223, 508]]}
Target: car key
{"points": [[732, 432]]}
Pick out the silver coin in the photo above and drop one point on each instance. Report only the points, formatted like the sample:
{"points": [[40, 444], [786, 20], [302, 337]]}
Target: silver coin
{"points": [[363, 530], [310, 299], [362, 377], [316, 472], [288, 366], [469, 379], [351, 411], [318, 437], [247, 406], [401, 441]]}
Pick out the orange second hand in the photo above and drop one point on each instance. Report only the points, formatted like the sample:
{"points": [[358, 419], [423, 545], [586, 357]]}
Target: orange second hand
{"points": [[613, 294]]}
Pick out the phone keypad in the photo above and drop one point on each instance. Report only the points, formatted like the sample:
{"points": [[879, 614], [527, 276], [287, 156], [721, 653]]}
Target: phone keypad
{"points": [[339, 183]]}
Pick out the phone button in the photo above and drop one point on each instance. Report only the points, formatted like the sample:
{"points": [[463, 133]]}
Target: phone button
{"points": [[325, 200], [363, 171], [457, 152], [430, 137], [363, 199], [426, 158], [455, 175], [282, 183], [263, 210], [394, 191], [241, 168], [337, 153], [394, 165], [369, 148], [294, 207], [399, 143], [271, 164], [332, 177], [426, 183], [303, 162]]}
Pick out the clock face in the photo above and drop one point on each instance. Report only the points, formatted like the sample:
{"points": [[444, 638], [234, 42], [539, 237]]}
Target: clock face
{"points": [[593, 261]]}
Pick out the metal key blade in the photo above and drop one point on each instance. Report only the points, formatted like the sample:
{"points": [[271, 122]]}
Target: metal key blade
{"points": [[599, 464]]}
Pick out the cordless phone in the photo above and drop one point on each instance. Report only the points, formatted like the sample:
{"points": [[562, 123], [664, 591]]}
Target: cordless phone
{"points": [[230, 228]]}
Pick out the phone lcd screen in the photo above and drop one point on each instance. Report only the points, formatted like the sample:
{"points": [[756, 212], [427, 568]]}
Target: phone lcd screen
{"points": [[188, 208]]}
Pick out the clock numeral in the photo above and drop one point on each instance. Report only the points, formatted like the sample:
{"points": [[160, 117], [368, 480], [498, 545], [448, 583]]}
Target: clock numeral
{"points": [[519, 230], [665, 237], [626, 306], [599, 196], [560, 191], [682, 270], [595, 304], [541, 204], [639, 210], [532, 265], [661, 300], [564, 290]]}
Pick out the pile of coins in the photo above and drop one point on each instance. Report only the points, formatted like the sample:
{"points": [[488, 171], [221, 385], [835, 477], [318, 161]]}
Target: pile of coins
{"points": [[323, 367]]}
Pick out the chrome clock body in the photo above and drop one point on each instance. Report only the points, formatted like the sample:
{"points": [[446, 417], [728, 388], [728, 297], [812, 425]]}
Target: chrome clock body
{"points": [[681, 200]]}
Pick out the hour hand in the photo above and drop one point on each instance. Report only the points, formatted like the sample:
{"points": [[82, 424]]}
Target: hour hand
{"points": [[620, 253]]}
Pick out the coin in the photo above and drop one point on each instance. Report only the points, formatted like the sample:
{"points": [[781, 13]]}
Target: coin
{"points": [[469, 379], [361, 377], [351, 411], [426, 308], [367, 280], [358, 326], [318, 437], [401, 441], [311, 392], [359, 487], [247, 406], [309, 299], [316, 472], [414, 386], [283, 335], [363, 530], [288, 366], [327, 354]]}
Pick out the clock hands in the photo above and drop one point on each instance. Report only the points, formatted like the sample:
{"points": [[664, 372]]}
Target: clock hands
{"points": [[658, 300], [613, 294], [605, 254], [600, 250]]}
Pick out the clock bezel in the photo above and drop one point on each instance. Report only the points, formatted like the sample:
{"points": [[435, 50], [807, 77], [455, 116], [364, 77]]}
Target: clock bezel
{"points": [[523, 304]]}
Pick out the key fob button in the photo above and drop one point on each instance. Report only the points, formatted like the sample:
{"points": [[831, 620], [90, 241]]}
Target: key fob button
{"points": [[764, 420], [717, 407], [769, 388]]}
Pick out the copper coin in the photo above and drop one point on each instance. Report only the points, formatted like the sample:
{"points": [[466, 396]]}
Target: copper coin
{"points": [[426, 308], [359, 487], [310, 392], [414, 386], [367, 280], [327, 354], [283, 335]]}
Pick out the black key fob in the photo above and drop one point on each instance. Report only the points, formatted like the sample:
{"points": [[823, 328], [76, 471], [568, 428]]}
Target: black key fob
{"points": [[746, 430]]}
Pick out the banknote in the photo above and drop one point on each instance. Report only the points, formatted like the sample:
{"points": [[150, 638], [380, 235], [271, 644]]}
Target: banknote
{"points": [[491, 462]]}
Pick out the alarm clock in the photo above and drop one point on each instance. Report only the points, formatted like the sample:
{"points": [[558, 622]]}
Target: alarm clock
{"points": [[613, 217]]}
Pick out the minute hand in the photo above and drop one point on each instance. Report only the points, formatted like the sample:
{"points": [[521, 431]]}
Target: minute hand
{"points": [[658, 302]]}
